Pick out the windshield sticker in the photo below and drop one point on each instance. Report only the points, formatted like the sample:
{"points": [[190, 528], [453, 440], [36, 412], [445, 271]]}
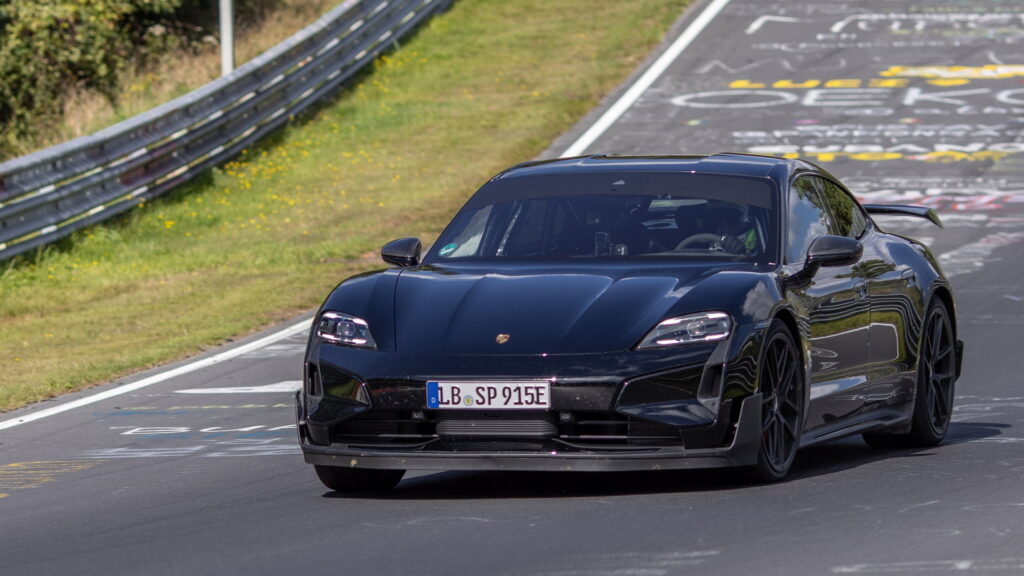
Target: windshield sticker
{"points": [[448, 249]]}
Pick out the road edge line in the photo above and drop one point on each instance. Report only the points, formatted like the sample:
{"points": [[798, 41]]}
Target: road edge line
{"points": [[667, 58], [290, 330]]}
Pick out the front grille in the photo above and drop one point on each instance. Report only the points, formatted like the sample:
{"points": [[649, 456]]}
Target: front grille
{"points": [[400, 429], [497, 445], [496, 428]]}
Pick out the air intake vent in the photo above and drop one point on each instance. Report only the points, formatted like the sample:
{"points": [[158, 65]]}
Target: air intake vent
{"points": [[496, 428]]}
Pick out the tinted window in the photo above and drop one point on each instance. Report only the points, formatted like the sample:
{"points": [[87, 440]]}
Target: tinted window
{"points": [[526, 229], [808, 219], [623, 216], [847, 218], [467, 241]]}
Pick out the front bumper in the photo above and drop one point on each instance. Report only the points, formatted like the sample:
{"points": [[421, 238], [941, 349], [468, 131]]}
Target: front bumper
{"points": [[689, 407], [742, 451]]}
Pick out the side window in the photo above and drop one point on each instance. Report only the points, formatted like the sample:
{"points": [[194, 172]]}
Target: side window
{"points": [[808, 219], [847, 218]]}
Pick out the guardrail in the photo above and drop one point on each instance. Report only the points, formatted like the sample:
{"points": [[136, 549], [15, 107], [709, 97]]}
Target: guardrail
{"points": [[47, 195]]}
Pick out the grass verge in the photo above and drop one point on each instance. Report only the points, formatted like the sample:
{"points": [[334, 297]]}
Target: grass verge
{"points": [[486, 85]]}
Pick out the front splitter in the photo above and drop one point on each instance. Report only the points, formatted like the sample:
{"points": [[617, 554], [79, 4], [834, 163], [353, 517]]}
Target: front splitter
{"points": [[742, 452]]}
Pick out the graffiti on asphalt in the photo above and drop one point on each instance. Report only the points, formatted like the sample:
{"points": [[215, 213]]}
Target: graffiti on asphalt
{"points": [[222, 449], [206, 442]]}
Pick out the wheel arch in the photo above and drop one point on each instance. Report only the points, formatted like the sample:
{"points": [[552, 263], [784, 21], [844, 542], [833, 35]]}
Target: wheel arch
{"points": [[944, 295], [788, 317]]}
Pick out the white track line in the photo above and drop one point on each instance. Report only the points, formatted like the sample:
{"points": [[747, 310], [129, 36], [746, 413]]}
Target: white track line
{"points": [[577, 148], [644, 82], [296, 328], [287, 386]]}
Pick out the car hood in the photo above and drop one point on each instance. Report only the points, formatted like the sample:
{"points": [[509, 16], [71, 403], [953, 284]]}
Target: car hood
{"points": [[536, 311]]}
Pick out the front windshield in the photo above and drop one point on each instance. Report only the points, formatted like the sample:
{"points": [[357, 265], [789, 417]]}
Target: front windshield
{"points": [[638, 216]]}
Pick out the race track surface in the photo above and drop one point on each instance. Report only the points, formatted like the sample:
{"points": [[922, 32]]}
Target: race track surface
{"points": [[914, 102]]}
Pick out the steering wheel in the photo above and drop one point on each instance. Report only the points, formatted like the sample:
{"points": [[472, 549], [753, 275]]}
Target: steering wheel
{"points": [[713, 241]]}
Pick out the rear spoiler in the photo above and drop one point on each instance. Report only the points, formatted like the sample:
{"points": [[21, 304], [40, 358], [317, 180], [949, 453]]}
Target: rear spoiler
{"points": [[905, 210]]}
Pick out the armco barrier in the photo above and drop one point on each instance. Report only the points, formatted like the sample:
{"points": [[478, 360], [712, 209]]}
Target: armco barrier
{"points": [[49, 194]]}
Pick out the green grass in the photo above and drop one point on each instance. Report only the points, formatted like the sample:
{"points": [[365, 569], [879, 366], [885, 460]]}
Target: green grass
{"points": [[265, 237]]}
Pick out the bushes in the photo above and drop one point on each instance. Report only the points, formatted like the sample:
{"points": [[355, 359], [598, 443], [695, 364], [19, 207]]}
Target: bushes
{"points": [[56, 55], [50, 46]]}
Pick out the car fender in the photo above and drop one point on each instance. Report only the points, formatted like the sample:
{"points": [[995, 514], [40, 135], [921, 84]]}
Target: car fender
{"points": [[753, 299], [749, 297], [369, 296]]}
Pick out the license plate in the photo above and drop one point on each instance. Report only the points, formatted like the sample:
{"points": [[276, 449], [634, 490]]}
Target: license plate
{"points": [[489, 395]]}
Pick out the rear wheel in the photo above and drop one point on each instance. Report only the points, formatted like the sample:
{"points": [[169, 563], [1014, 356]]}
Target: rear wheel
{"points": [[782, 405], [936, 379], [342, 479]]}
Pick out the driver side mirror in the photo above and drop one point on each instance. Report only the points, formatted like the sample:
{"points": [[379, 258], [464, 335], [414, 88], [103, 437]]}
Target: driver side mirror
{"points": [[402, 252], [833, 251], [826, 251]]}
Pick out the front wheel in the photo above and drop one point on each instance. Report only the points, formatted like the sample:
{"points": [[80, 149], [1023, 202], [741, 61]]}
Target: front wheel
{"points": [[936, 380], [781, 378], [342, 479]]}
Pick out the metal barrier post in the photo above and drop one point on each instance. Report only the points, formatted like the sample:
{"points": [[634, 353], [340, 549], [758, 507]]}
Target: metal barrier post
{"points": [[227, 37]]}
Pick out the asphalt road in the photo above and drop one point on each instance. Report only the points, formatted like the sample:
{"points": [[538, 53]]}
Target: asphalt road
{"points": [[907, 101]]}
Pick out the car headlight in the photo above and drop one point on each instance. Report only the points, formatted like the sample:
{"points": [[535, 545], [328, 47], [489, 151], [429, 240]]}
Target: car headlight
{"points": [[689, 329], [344, 329]]}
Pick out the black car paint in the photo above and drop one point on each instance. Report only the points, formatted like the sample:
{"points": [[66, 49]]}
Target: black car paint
{"points": [[577, 324]]}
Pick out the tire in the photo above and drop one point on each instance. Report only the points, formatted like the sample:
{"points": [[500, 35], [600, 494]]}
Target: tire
{"points": [[342, 479], [781, 379], [935, 389]]}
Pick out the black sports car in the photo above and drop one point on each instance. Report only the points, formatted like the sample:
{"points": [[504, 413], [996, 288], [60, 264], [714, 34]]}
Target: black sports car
{"points": [[626, 313]]}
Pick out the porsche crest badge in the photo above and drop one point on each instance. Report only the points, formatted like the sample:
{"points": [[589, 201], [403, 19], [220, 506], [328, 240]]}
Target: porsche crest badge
{"points": [[501, 338]]}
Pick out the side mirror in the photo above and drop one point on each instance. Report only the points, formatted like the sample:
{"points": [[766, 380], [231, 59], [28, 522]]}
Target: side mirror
{"points": [[826, 251], [402, 252], [833, 251]]}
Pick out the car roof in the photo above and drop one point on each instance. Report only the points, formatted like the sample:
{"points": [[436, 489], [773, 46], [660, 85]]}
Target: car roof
{"points": [[778, 169]]}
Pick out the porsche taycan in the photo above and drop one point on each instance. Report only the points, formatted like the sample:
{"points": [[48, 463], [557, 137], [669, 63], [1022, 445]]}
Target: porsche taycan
{"points": [[612, 313]]}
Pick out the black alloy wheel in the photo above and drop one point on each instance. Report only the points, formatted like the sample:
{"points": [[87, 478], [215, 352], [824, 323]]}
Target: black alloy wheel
{"points": [[936, 380], [342, 479], [782, 402]]}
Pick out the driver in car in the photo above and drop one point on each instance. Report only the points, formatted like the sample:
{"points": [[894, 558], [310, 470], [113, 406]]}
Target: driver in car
{"points": [[724, 225], [727, 220]]}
